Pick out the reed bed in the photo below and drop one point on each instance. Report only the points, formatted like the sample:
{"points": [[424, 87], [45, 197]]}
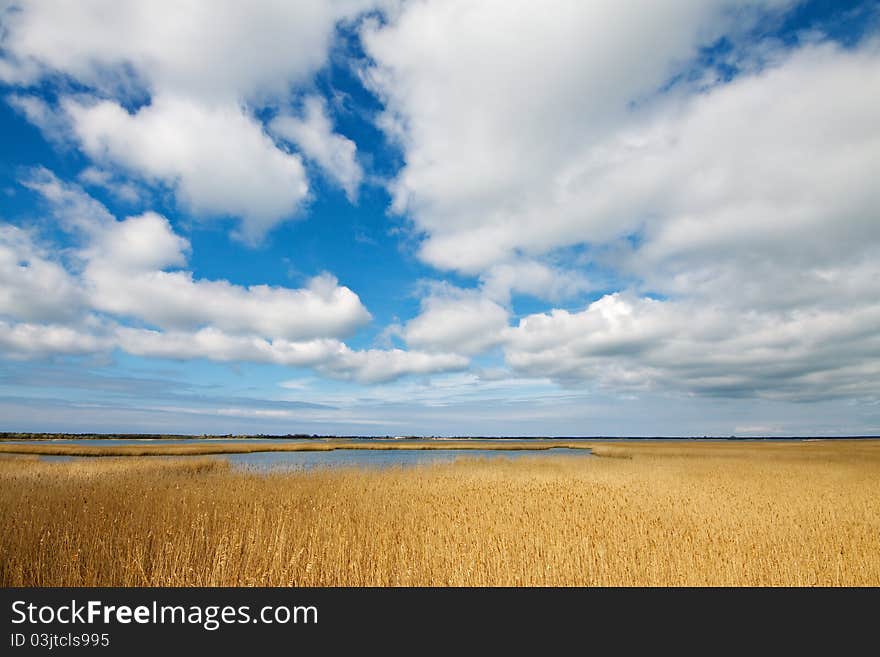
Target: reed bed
{"points": [[754, 515]]}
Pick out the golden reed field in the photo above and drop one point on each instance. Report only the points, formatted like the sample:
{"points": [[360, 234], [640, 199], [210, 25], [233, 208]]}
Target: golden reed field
{"points": [[798, 514]]}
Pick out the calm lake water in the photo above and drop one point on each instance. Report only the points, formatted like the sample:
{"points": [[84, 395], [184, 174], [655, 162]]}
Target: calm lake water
{"points": [[265, 461], [383, 458], [109, 442], [354, 457]]}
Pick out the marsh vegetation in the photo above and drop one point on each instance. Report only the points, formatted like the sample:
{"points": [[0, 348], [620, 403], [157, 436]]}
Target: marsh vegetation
{"points": [[660, 514]]}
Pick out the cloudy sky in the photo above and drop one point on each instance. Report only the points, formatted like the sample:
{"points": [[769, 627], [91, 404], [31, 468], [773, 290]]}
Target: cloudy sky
{"points": [[440, 217]]}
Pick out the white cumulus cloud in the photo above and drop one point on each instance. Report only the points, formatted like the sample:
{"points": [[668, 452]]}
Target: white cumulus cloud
{"points": [[624, 342], [495, 105], [34, 286], [192, 75], [217, 158], [125, 273], [208, 49], [131, 270], [456, 320], [314, 136]]}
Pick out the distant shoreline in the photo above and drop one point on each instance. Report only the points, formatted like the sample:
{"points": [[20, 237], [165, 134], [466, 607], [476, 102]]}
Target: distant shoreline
{"points": [[50, 436]]}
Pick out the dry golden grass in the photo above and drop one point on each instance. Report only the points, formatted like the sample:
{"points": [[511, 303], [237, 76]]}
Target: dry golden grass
{"points": [[668, 514]]}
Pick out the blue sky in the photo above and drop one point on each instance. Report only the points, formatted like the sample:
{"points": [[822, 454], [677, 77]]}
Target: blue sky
{"points": [[440, 218]]}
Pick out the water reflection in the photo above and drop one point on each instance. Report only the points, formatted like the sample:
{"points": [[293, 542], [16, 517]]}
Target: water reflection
{"points": [[381, 458]]}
